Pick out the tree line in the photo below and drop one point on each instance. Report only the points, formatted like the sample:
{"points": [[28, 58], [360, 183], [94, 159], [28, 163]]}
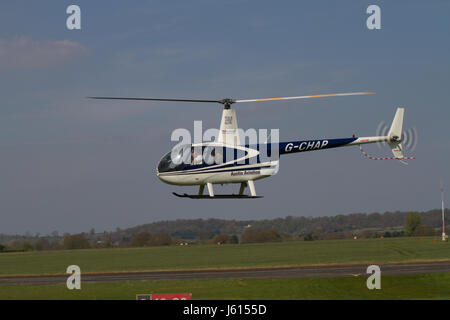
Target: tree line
{"points": [[388, 224]]}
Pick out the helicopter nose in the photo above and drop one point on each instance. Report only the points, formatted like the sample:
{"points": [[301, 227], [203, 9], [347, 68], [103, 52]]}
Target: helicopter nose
{"points": [[162, 178]]}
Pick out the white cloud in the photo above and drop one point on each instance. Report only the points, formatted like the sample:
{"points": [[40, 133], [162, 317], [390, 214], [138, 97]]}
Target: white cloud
{"points": [[23, 53]]}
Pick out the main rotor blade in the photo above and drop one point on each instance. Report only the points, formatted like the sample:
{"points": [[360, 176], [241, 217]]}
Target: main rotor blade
{"points": [[153, 99], [227, 102], [306, 97]]}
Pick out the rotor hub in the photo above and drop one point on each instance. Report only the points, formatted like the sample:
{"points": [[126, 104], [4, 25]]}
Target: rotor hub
{"points": [[395, 138], [227, 102]]}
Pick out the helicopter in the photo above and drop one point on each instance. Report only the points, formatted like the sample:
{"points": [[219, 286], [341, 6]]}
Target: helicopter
{"points": [[227, 161]]}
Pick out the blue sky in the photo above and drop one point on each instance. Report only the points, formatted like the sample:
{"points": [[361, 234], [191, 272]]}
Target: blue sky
{"points": [[70, 164]]}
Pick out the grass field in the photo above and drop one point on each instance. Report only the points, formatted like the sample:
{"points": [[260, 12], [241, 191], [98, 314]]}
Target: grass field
{"points": [[214, 256], [426, 286]]}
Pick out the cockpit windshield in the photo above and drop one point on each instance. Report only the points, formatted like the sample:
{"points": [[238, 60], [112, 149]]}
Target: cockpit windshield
{"points": [[176, 159]]}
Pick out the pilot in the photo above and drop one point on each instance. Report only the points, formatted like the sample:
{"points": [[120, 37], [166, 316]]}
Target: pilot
{"points": [[195, 158]]}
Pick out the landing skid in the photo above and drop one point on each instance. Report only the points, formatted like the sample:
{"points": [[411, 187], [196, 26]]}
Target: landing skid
{"points": [[219, 196]]}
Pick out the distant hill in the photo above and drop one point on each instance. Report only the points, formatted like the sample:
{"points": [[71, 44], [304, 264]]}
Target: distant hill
{"points": [[203, 229]]}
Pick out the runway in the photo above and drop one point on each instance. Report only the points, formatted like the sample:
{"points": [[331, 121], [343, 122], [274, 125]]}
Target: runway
{"points": [[320, 271]]}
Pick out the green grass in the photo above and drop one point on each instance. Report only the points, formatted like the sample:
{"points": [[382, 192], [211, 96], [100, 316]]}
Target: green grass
{"points": [[419, 286], [214, 256]]}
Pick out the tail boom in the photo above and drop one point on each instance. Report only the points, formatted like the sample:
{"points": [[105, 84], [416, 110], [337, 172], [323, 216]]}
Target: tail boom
{"points": [[394, 139], [322, 144]]}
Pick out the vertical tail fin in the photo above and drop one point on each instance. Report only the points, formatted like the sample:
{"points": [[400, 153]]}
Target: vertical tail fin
{"points": [[395, 134]]}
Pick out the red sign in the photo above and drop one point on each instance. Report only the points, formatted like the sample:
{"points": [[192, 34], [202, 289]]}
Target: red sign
{"points": [[171, 296]]}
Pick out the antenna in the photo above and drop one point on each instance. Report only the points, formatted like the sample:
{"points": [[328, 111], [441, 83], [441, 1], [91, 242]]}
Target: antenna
{"points": [[444, 237]]}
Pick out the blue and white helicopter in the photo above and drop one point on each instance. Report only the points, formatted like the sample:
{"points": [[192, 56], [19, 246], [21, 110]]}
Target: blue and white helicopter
{"points": [[228, 161]]}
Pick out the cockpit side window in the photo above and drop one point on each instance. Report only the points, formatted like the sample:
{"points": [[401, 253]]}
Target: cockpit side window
{"points": [[209, 155], [184, 156]]}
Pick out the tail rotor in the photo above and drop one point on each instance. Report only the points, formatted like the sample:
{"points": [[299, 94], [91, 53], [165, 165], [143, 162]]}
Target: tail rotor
{"points": [[398, 140]]}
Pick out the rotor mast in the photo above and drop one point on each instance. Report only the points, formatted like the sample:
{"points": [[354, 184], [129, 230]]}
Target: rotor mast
{"points": [[229, 132]]}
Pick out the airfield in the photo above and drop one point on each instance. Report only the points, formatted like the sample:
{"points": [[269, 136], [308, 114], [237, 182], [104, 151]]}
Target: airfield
{"points": [[320, 271], [411, 268]]}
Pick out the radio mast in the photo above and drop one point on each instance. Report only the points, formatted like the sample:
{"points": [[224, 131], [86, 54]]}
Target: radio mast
{"points": [[444, 238]]}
